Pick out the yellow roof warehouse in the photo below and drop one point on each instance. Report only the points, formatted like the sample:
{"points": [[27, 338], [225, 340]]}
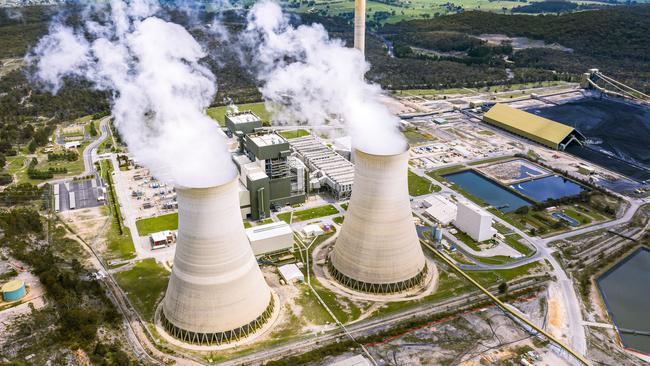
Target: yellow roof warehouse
{"points": [[539, 129]]}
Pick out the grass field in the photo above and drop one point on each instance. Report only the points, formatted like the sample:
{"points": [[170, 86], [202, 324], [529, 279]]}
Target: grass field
{"points": [[292, 134], [308, 214], [514, 240], [419, 186], [515, 88], [119, 246], [219, 113], [144, 284], [489, 278], [444, 171], [582, 219], [467, 240], [405, 10], [156, 224]]}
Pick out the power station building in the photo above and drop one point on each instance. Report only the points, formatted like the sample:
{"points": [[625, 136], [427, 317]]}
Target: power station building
{"points": [[474, 221], [268, 172], [538, 129], [329, 170], [378, 250]]}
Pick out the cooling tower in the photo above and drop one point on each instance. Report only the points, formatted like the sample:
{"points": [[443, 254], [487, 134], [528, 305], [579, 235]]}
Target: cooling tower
{"points": [[216, 291], [360, 25], [378, 250]]}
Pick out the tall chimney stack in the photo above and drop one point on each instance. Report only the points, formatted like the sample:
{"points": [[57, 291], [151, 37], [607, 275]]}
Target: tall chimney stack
{"points": [[360, 25], [216, 292]]}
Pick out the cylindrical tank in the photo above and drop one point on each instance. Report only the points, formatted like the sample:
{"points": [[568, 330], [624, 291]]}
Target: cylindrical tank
{"points": [[360, 25], [438, 236], [378, 250], [13, 290], [216, 290]]}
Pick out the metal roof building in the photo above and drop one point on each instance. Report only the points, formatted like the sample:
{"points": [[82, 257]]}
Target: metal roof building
{"points": [[337, 172], [270, 238], [541, 130]]}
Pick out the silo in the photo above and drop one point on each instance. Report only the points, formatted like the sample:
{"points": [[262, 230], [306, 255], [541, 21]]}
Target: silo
{"points": [[378, 250], [438, 237], [216, 291], [13, 290]]}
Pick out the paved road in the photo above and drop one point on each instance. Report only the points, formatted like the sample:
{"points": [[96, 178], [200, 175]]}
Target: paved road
{"points": [[570, 300], [90, 153]]}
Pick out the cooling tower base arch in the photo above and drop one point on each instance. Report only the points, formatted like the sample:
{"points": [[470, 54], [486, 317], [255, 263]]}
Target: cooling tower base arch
{"points": [[378, 288], [245, 334]]}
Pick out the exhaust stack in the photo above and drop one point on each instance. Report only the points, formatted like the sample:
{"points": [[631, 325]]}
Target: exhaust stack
{"points": [[378, 250], [360, 25], [216, 291]]}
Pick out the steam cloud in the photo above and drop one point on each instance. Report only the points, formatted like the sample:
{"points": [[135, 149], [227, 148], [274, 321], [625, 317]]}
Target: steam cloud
{"points": [[311, 78], [160, 88]]}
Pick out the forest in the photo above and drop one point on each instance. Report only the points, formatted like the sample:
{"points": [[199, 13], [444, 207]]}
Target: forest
{"points": [[614, 39]]}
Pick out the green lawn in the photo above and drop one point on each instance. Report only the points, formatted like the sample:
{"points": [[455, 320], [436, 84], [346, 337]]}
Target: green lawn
{"points": [[514, 241], [415, 137], [489, 278], [444, 171], [338, 219], [467, 240], [582, 219], [156, 224], [308, 214], [419, 186], [497, 259], [144, 285], [292, 134], [219, 113], [120, 246], [491, 160]]}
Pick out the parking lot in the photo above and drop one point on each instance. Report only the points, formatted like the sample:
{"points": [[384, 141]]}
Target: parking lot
{"points": [[87, 193]]}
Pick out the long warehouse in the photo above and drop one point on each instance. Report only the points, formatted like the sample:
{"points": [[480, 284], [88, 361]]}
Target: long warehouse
{"points": [[541, 130]]}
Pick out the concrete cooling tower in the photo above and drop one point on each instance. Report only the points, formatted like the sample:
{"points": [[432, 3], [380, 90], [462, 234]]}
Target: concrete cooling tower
{"points": [[216, 291], [378, 250]]}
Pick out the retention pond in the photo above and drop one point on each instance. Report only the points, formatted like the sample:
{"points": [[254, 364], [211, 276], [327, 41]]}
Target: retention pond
{"points": [[487, 190], [551, 187], [625, 289]]}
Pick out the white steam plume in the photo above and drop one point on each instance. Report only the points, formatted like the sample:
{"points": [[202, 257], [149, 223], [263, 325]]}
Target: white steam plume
{"points": [[160, 89], [315, 79]]}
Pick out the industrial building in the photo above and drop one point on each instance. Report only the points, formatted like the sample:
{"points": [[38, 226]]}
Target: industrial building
{"points": [[538, 129], [291, 273], [270, 176], [13, 290], [329, 170], [378, 250], [216, 291], [162, 239], [474, 221], [440, 208], [270, 238]]}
